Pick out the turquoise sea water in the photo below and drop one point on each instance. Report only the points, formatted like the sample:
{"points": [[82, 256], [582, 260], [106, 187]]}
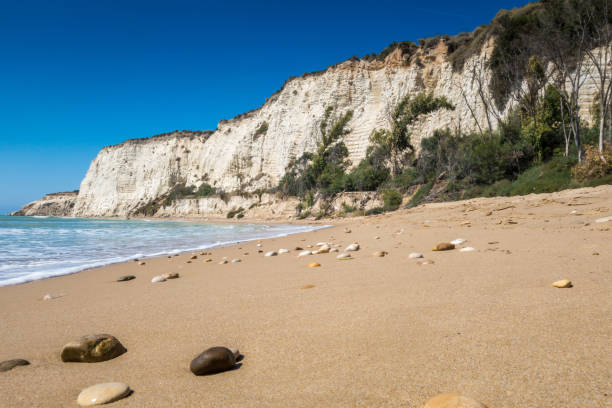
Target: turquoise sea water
{"points": [[34, 248]]}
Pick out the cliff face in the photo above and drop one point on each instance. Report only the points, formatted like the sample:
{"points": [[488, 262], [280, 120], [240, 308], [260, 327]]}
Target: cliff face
{"points": [[239, 154], [56, 204]]}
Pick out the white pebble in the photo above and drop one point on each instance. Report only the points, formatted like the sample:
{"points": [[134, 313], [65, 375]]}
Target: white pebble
{"points": [[343, 255], [283, 251], [415, 255], [458, 241], [352, 247], [158, 279], [467, 249], [304, 253], [604, 219], [271, 253], [236, 260], [333, 250]]}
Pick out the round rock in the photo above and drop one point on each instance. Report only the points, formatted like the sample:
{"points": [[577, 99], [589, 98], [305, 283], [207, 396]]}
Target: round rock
{"points": [[125, 278], [10, 364], [92, 348], [444, 246], [214, 360], [102, 394], [453, 400], [271, 253], [415, 255], [563, 284], [159, 278]]}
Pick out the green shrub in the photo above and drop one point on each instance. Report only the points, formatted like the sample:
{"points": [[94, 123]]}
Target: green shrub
{"points": [[420, 194], [392, 200], [262, 129], [205, 190], [233, 212], [304, 214], [375, 211]]}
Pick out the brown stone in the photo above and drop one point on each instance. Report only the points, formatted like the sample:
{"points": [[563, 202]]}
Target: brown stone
{"points": [[92, 348], [214, 360], [10, 364], [444, 246], [453, 400]]}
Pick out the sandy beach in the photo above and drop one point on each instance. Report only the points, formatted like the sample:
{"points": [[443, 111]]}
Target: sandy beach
{"points": [[371, 332]]}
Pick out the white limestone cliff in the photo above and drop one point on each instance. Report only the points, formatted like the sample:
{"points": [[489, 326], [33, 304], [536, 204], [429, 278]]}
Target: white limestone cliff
{"points": [[128, 176]]}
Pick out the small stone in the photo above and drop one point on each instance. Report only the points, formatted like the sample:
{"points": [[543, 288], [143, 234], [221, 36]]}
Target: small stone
{"points": [[343, 256], [135, 259], [377, 237], [194, 257], [425, 262], [444, 246], [171, 275], [334, 250], [125, 278], [563, 284], [489, 213], [188, 262], [307, 287], [466, 222], [271, 253], [304, 253], [314, 265], [308, 246], [176, 254], [169, 256], [352, 247], [467, 249], [458, 241], [142, 263], [214, 360], [283, 251], [259, 251], [223, 262], [347, 230], [415, 255], [208, 260], [595, 253], [380, 254], [92, 348], [10, 364], [453, 400], [493, 242], [324, 249], [298, 248], [49, 296], [236, 260], [604, 219], [159, 278], [103, 394], [259, 245], [321, 243]]}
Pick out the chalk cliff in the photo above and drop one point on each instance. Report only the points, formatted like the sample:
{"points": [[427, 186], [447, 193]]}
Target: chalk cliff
{"points": [[251, 151]]}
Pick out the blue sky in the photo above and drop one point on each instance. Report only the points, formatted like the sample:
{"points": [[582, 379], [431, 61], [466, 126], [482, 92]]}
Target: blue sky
{"points": [[76, 76]]}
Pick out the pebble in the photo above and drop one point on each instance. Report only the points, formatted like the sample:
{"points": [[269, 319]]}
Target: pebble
{"points": [[467, 249], [142, 263], [352, 247], [259, 245], [271, 253], [170, 275], [307, 287], [208, 260], [194, 257], [308, 246], [604, 219], [458, 241], [415, 255], [304, 253], [10, 364], [314, 265], [444, 246], [347, 230], [188, 262], [343, 256], [236, 260], [136, 259], [321, 243], [334, 250], [425, 262], [103, 394], [323, 249], [377, 237], [380, 254], [214, 360], [298, 248], [223, 262], [49, 296], [563, 284], [595, 253], [283, 251], [453, 400], [159, 278], [125, 278], [92, 348]]}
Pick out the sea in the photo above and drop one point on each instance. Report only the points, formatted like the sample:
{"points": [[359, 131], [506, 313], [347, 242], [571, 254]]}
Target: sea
{"points": [[33, 248]]}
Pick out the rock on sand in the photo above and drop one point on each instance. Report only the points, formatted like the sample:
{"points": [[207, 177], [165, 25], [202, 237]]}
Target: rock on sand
{"points": [[563, 284], [10, 364], [92, 348], [453, 400], [103, 394], [214, 360], [444, 246]]}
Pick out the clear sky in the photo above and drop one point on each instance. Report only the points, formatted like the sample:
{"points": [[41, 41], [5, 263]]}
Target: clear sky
{"points": [[78, 75]]}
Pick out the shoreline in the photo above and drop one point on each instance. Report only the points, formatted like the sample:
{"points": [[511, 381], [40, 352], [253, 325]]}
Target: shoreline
{"points": [[168, 252], [371, 331]]}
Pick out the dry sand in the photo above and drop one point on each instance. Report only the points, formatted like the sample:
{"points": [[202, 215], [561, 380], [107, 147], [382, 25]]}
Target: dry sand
{"points": [[372, 332]]}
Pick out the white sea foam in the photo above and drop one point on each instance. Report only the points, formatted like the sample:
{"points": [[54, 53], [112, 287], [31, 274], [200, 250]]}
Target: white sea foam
{"points": [[33, 248]]}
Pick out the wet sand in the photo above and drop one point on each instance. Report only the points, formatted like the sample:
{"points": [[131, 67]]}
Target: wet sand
{"points": [[372, 332]]}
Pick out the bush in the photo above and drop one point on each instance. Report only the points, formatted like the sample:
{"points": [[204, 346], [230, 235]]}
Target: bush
{"points": [[592, 165], [375, 211], [262, 129], [205, 190], [233, 212], [392, 200], [420, 194]]}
